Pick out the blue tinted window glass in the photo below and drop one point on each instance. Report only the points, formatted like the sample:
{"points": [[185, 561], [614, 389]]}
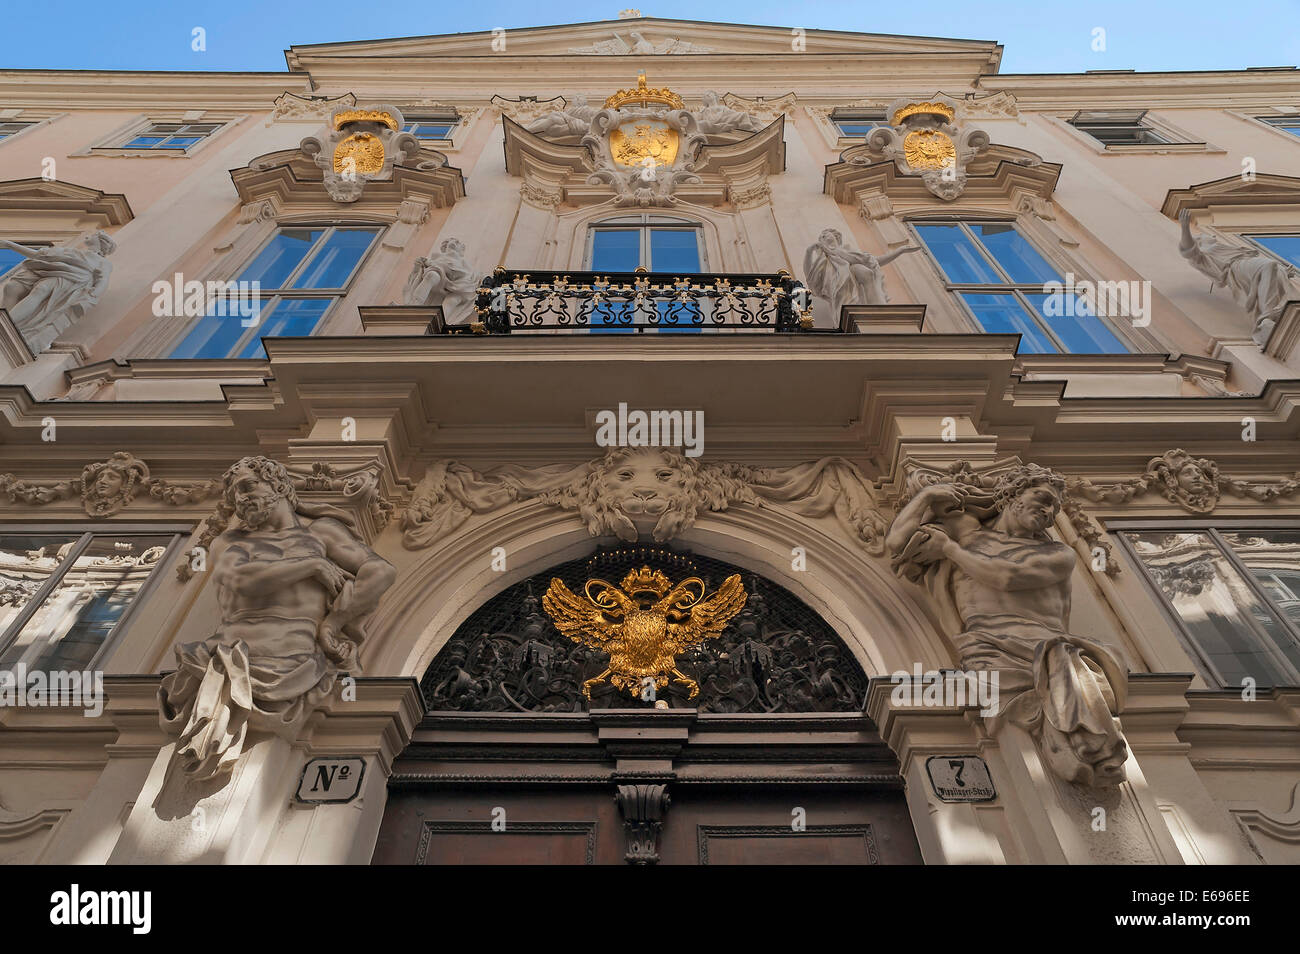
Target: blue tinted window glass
{"points": [[274, 264], [1286, 246], [291, 317], [1013, 252], [333, 263], [855, 128], [429, 130], [615, 250], [1078, 328], [674, 250], [144, 142], [609, 317], [213, 337], [678, 317], [8, 259], [180, 142], [957, 255], [1002, 314]]}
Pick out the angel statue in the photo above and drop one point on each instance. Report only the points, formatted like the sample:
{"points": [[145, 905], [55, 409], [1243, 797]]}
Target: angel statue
{"points": [[1258, 283], [843, 276], [574, 121], [444, 279], [52, 287], [715, 117]]}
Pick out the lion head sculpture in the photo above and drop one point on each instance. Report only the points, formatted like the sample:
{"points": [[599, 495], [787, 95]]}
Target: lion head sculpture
{"points": [[634, 491]]}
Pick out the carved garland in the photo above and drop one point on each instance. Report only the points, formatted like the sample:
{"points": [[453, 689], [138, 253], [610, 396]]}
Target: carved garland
{"points": [[1194, 483]]}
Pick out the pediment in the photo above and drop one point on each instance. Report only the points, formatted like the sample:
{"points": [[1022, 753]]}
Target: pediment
{"points": [[1001, 173], [287, 178], [610, 37], [1234, 191]]}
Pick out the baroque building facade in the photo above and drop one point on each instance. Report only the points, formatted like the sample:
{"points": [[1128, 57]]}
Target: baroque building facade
{"points": [[650, 441]]}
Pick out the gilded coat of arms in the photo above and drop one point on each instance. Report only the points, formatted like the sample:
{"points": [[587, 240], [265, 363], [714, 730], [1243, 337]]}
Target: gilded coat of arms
{"points": [[364, 150], [643, 623], [928, 149], [644, 142]]}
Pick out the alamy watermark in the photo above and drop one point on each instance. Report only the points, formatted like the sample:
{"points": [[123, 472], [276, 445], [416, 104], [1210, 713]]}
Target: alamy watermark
{"points": [[38, 688], [180, 298], [947, 687], [624, 428], [1119, 299]]}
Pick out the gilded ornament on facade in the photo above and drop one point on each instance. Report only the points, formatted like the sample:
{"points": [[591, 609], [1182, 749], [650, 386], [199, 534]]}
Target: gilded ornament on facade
{"points": [[366, 152], [643, 623], [644, 142], [929, 149], [645, 95], [920, 109], [346, 116]]}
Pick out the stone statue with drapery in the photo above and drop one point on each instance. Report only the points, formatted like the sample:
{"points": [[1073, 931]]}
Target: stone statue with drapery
{"points": [[52, 287]]}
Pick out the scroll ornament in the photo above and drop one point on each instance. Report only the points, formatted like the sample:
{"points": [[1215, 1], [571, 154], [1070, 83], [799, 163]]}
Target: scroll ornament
{"points": [[635, 493], [923, 140]]}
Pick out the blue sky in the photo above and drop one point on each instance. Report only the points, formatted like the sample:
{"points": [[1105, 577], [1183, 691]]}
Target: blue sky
{"points": [[1039, 35]]}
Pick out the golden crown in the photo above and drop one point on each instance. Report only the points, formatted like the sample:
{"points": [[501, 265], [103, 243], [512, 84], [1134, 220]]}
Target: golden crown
{"points": [[644, 95], [915, 109], [366, 116], [645, 580]]}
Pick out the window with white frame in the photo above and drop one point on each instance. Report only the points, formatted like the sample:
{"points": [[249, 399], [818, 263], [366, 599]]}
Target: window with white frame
{"points": [[1121, 127], [64, 596], [1281, 245], [435, 124], [999, 276], [12, 127], [168, 136], [857, 123], [1234, 592], [300, 273], [657, 243], [1288, 124]]}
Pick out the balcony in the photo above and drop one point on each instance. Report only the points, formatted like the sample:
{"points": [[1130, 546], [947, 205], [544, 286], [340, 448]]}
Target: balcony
{"points": [[512, 302]]}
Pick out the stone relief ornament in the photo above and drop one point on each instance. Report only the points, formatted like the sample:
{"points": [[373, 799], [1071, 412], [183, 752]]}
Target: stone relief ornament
{"points": [[922, 140], [1002, 587], [1194, 483], [1259, 283], [644, 144], [841, 276], [290, 106], [639, 45], [53, 287], [715, 118], [105, 487], [639, 493], [573, 120], [445, 280], [359, 146], [294, 585]]}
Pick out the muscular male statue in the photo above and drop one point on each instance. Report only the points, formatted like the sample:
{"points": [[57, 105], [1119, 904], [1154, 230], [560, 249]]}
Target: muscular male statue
{"points": [[1004, 587], [293, 585]]}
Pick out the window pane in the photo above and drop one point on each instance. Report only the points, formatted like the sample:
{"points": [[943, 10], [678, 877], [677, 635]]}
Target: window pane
{"points": [[180, 142], [960, 260], [75, 619], [855, 128], [1274, 558], [615, 250], [1235, 631], [1013, 252], [1081, 331], [674, 250], [143, 142], [8, 259], [1284, 246], [290, 317], [26, 562], [213, 337], [1002, 314], [334, 262], [280, 257]]}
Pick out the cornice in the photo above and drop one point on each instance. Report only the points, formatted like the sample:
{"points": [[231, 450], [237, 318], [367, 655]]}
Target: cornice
{"points": [[1000, 174], [42, 195], [143, 89], [1193, 89]]}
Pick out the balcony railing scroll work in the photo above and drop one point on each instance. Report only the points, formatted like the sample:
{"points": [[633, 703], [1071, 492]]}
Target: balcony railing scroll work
{"points": [[512, 302]]}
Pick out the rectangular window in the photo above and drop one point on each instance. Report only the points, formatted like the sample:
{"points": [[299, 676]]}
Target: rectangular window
{"points": [[177, 136], [1289, 124], [436, 124], [858, 123], [1236, 595], [64, 595], [1285, 247], [301, 272], [659, 244], [999, 276], [8, 129], [1119, 127]]}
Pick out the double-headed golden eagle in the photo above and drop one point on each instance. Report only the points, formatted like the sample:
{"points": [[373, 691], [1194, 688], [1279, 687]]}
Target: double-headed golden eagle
{"points": [[643, 623]]}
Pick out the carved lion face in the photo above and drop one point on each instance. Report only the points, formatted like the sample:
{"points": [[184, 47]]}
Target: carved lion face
{"points": [[643, 490]]}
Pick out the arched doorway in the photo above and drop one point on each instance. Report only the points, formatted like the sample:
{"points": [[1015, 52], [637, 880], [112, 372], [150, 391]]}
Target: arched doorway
{"points": [[532, 749]]}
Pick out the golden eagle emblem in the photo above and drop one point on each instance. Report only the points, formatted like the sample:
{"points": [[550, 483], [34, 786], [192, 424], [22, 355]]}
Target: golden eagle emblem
{"points": [[643, 623], [928, 149], [365, 152]]}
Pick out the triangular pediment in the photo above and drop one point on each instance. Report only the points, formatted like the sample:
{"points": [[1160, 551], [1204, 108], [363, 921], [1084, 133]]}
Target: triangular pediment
{"points": [[639, 39]]}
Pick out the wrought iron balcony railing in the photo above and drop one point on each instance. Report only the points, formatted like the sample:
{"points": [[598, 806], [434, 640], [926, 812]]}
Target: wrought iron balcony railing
{"points": [[511, 302]]}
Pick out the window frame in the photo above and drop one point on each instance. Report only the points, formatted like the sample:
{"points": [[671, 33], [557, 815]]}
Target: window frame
{"points": [[1254, 235], [271, 297], [644, 222], [1207, 670], [859, 114], [178, 534], [24, 124], [415, 117], [148, 130], [958, 290]]}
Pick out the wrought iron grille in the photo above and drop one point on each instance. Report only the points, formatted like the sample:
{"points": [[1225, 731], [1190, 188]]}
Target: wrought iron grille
{"points": [[777, 655], [592, 302]]}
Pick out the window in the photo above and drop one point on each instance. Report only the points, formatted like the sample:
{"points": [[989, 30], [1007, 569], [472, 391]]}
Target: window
{"points": [[1284, 246], [1290, 124], [655, 243], [300, 273], [1119, 127], [63, 596], [8, 129], [179, 136], [1236, 595], [9, 259], [436, 124], [858, 123], [999, 276]]}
